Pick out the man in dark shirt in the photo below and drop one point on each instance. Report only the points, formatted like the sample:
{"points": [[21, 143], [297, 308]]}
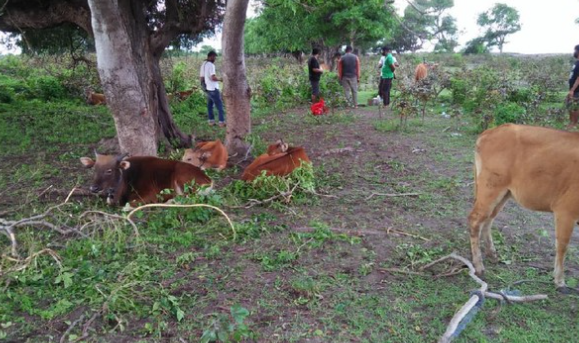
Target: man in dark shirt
{"points": [[573, 96], [349, 74], [315, 73]]}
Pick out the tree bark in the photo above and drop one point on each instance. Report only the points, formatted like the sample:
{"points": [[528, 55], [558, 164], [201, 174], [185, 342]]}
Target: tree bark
{"points": [[236, 92], [131, 77]]}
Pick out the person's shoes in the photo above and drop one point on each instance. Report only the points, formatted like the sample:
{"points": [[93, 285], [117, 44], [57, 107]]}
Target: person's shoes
{"points": [[221, 124], [211, 123]]}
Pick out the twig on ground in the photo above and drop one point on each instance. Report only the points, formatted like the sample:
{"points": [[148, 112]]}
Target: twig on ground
{"points": [[23, 264], [337, 230], [128, 217], [401, 271], [63, 338], [254, 202], [115, 216], [392, 195], [389, 230], [7, 226], [477, 297]]}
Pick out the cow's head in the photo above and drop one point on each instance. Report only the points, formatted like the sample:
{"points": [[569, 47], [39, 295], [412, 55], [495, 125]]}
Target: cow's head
{"points": [[278, 147], [108, 177], [196, 157]]}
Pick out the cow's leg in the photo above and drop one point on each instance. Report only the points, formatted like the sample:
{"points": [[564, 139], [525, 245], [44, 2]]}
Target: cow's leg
{"points": [[490, 249], [486, 202], [564, 224]]}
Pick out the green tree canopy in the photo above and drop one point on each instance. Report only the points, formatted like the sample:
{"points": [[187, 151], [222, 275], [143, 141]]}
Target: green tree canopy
{"points": [[499, 22], [427, 20], [299, 25]]}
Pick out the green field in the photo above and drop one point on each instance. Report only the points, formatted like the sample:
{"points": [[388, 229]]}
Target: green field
{"points": [[331, 263]]}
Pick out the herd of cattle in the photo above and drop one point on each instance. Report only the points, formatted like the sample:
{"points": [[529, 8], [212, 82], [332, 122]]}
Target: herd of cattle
{"points": [[535, 166], [140, 179]]}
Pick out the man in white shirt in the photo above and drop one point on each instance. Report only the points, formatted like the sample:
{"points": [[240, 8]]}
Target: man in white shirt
{"points": [[212, 86]]}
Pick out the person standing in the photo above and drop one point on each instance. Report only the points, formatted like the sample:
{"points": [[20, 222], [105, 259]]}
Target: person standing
{"points": [[315, 73], [349, 74], [387, 75], [213, 95], [573, 95]]}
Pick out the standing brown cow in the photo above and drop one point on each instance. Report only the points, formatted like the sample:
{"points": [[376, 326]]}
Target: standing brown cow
{"points": [[140, 178], [537, 167]]}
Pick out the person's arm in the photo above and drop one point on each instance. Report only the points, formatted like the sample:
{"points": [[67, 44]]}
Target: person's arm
{"points": [[390, 64], [212, 73], [316, 68], [340, 69]]}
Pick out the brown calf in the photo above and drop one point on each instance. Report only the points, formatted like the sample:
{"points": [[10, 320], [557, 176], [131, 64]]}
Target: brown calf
{"points": [[279, 160], [207, 155], [95, 98], [538, 168], [140, 178]]}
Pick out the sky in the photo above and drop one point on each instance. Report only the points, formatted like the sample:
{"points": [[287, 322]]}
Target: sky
{"points": [[546, 26]]}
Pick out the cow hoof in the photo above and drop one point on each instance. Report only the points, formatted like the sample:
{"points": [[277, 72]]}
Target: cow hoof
{"points": [[127, 208], [568, 290]]}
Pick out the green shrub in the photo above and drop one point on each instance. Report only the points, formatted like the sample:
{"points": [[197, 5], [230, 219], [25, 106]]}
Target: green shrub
{"points": [[509, 113], [46, 88], [459, 91]]}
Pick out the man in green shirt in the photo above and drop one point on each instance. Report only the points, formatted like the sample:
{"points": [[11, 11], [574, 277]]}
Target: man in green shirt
{"points": [[388, 68]]}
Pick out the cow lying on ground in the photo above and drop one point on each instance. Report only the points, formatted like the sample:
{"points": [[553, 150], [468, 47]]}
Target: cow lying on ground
{"points": [[537, 167], [280, 160], [140, 178], [95, 98], [207, 155]]}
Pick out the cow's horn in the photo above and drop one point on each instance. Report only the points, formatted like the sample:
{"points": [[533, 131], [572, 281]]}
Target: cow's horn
{"points": [[96, 153], [122, 156]]}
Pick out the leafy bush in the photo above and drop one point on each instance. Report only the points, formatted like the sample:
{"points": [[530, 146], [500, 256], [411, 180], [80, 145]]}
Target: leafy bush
{"points": [[509, 113], [46, 88], [458, 90]]}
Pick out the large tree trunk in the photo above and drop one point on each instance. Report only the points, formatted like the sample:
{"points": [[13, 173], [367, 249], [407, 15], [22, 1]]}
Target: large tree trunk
{"points": [[131, 79], [236, 93]]}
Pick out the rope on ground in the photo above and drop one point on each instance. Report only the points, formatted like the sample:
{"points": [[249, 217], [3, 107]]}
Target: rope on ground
{"points": [[466, 313]]}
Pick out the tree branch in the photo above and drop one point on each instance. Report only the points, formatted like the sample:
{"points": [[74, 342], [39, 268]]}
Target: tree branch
{"points": [[17, 15]]}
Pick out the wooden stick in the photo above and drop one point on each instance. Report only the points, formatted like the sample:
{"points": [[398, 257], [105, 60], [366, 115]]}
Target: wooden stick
{"points": [[392, 195], [475, 298], [406, 234]]}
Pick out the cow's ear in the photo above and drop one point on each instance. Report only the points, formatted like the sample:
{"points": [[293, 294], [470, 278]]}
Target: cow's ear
{"points": [[125, 165], [87, 162]]}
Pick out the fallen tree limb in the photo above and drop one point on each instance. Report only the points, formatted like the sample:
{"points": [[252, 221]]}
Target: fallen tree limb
{"points": [[476, 299]]}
